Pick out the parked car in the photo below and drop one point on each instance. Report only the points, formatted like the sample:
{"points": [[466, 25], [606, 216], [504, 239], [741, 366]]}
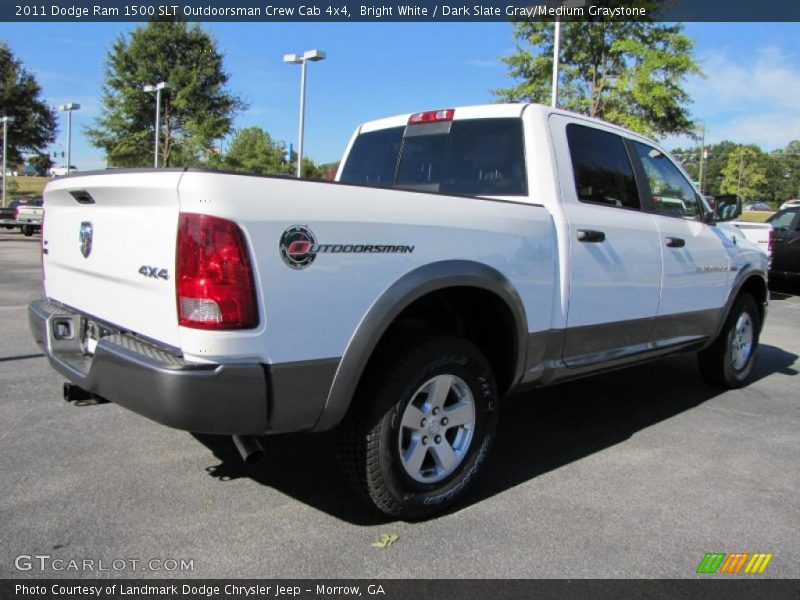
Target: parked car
{"points": [[785, 244], [30, 211], [29, 216], [461, 254], [757, 206], [756, 233], [795, 202], [8, 215], [60, 170]]}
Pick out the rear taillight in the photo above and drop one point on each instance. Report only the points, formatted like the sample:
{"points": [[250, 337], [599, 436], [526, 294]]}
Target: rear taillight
{"points": [[16, 213], [213, 276], [770, 240], [432, 116]]}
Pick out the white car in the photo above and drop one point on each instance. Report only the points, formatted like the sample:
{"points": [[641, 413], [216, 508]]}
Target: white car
{"points": [[790, 204], [60, 171], [462, 254]]}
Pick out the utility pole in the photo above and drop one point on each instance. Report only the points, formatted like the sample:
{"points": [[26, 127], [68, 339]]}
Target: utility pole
{"points": [[560, 5], [5, 121], [556, 59], [741, 167], [702, 157]]}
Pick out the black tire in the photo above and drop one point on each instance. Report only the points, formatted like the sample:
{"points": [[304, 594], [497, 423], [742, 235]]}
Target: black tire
{"points": [[27, 230], [717, 362], [371, 436]]}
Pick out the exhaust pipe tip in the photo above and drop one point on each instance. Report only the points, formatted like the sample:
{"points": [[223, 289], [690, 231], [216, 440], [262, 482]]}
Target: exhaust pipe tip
{"points": [[74, 393], [250, 449]]}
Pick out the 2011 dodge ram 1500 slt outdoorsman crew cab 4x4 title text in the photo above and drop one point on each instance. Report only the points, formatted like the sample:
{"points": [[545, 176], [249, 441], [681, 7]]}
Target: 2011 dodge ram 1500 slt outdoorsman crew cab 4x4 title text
{"points": [[463, 253]]}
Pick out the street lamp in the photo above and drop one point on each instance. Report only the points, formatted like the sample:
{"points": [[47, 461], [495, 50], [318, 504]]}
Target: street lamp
{"points": [[703, 157], [741, 169], [68, 108], [557, 46], [297, 59], [157, 89], [5, 121]]}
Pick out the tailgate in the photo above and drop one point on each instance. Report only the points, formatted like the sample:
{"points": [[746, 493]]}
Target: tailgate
{"points": [[109, 244]]}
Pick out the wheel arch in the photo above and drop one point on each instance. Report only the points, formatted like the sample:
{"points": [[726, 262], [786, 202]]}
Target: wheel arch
{"points": [[444, 277], [752, 280]]}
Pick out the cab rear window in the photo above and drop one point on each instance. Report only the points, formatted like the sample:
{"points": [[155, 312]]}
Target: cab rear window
{"points": [[373, 158], [476, 157]]}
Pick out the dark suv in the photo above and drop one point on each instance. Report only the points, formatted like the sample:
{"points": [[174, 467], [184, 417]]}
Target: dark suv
{"points": [[785, 243]]}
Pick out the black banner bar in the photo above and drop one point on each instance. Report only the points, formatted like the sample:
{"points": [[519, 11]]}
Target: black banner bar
{"points": [[394, 589], [395, 11]]}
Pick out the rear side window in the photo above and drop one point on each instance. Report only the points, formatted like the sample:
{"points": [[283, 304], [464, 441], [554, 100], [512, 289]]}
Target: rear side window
{"points": [[475, 157], [373, 158], [603, 171], [480, 157], [783, 220]]}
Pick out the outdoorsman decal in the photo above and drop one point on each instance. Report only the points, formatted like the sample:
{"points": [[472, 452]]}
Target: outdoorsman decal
{"points": [[298, 247]]}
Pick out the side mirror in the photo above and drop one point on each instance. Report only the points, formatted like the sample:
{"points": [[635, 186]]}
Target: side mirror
{"points": [[727, 207]]}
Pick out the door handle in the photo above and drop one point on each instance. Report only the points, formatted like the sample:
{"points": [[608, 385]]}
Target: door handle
{"points": [[591, 236], [673, 242]]}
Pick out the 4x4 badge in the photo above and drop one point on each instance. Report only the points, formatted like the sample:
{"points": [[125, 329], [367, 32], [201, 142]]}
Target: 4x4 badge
{"points": [[86, 238]]}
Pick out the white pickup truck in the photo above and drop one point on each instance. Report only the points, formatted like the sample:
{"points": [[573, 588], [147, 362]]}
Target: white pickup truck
{"points": [[757, 234], [461, 254], [29, 216]]}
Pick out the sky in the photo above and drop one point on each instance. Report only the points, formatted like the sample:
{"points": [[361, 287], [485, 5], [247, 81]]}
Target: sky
{"points": [[750, 93]]}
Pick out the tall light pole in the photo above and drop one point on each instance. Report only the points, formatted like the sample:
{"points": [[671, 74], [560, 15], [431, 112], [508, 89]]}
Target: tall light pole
{"points": [[702, 157], [157, 89], [741, 168], [556, 59], [5, 120], [297, 59], [68, 108], [567, 4]]}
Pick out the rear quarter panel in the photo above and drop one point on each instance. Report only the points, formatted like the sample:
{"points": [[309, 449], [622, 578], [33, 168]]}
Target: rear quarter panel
{"points": [[312, 313]]}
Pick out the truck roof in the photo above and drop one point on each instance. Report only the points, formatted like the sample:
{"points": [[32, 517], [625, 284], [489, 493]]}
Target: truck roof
{"points": [[492, 111]]}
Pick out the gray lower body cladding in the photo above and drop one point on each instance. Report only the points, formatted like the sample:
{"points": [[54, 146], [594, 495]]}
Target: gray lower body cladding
{"points": [[232, 398]]}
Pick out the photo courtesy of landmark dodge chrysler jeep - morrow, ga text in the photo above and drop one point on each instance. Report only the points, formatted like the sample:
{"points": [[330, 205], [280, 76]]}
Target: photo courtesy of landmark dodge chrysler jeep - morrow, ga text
{"points": [[461, 254]]}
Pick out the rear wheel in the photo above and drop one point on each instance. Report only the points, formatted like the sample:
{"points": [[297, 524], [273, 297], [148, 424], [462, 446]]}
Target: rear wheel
{"points": [[27, 230], [728, 362], [421, 426]]}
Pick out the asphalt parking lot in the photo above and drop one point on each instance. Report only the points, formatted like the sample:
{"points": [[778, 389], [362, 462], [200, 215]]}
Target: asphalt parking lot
{"points": [[637, 473]]}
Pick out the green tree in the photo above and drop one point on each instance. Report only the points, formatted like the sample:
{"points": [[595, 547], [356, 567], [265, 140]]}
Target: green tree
{"points": [[311, 170], [40, 162], [196, 109], [718, 155], [786, 170], [631, 74], [713, 165], [253, 150], [745, 173], [34, 125]]}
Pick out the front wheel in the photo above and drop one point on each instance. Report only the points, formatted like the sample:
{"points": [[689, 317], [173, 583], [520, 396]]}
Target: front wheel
{"points": [[421, 426], [728, 362], [27, 230]]}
